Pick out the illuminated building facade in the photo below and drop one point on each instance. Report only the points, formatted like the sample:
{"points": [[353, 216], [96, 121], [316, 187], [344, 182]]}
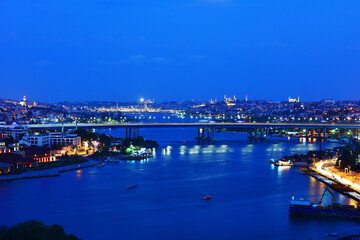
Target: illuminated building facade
{"points": [[294, 100]]}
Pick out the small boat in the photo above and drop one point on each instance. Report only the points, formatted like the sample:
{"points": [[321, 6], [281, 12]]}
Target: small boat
{"points": [[207, 197], [271, 161], [132, 186]]}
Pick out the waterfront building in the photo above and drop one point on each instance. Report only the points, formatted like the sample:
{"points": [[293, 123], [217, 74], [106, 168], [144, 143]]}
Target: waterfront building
{"points": [[17, 160], [37, 140], [52, 139], [41, 155], [62, 139]]}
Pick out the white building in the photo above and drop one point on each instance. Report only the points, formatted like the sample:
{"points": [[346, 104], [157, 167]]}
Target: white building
{"points": [[37, 140], [51, 139], [17, 132], [59, 138]]}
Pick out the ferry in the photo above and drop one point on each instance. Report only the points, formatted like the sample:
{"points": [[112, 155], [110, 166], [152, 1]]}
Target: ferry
{"points": [[287, 163], [304, 207], [280, 162], [283, 163]]}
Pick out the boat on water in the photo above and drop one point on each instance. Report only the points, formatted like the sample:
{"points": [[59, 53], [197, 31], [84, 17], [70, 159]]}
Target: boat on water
{"points": [[281, 162], [207, 197], [304, 207], [132, 186], [287, 163]]}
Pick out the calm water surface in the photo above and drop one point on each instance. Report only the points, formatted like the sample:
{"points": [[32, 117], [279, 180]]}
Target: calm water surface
{"points": [[250, 197]]}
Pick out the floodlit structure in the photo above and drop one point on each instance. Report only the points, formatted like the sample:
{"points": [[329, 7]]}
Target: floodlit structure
{"points": [[294, 100]]}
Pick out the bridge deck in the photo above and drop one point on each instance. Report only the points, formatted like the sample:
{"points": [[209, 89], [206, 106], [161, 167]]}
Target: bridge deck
{"points": [[182, 125]]}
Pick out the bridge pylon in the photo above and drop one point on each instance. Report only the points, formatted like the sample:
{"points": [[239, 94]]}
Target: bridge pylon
{"points": [[206, 134]]}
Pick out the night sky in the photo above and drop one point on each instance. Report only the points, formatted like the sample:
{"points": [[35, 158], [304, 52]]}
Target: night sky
{"points": [[54, 50]]}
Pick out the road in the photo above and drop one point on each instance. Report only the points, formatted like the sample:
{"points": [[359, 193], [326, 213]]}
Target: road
{"points": [[333, 173]]}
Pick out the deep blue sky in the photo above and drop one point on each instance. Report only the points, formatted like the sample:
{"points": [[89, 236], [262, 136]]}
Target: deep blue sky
{"points": [[54, 50]]}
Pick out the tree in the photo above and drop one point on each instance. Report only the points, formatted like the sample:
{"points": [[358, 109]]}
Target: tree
{"points": [[105, 140], [347, 159], [86, 135], [35, 230]]}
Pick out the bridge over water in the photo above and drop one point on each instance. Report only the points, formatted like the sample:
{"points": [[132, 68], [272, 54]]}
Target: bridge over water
{"points": [[132, 129]]}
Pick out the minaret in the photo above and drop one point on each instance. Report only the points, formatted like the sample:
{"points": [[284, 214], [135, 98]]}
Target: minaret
{"points": [[246, 98], [234, 98], [298, 99]]}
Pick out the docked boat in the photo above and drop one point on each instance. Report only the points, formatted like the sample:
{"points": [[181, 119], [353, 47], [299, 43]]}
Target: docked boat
{"points": [[304, 207]]}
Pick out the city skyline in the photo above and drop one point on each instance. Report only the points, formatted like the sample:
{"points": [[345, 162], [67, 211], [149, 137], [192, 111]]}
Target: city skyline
{"points": [[110, 50], [142, 100], [182, 119]]}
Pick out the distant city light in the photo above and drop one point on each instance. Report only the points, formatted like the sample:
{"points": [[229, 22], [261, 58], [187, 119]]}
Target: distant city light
{"points": [[141, 99]]}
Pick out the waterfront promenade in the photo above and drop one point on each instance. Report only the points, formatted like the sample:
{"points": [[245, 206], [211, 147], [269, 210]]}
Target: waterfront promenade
{"points": [[345, 178], [54, 172], [333, 175]]}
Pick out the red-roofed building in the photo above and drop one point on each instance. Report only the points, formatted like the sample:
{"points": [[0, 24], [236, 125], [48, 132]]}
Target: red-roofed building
{"points": [[17, 160], [39, 154]]}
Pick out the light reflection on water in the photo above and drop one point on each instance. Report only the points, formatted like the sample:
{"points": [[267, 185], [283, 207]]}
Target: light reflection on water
{"points": [[282, 170]]}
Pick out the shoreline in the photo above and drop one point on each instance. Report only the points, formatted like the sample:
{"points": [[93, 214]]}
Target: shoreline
{"points": [[54, 172], [355, 195]]}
